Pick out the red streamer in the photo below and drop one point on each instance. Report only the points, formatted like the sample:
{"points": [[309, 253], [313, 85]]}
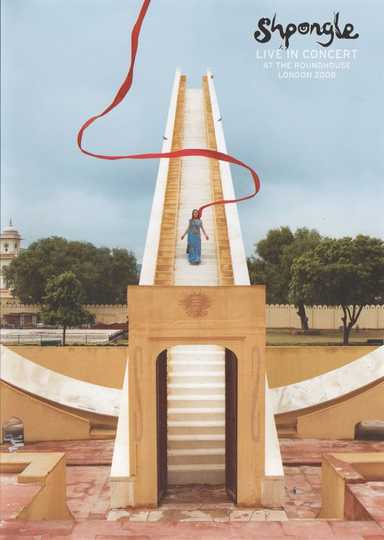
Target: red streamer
{"points": [[122, 92]]}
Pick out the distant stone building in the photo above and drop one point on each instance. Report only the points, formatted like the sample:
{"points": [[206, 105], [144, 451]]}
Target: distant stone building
{"points": [[10, 240]]}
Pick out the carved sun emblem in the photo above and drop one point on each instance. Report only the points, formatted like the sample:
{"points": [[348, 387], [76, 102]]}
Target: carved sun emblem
{"points": [[196, 304]]}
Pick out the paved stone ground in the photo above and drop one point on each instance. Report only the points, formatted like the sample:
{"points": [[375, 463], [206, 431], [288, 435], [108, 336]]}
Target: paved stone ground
{"points": [[104, 530], [88, 452], [371, 498], [88, 495], [303, 492], [202, 512]]}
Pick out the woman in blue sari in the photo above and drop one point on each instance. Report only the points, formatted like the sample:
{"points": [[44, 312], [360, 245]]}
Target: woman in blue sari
{"points": [[194, 238]]}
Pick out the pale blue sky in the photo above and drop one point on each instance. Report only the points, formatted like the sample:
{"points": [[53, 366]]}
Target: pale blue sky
{"points": [[317, 145]]}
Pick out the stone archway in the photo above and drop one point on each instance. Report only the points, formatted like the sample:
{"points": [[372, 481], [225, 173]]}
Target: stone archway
{"points": [[162, 317]]}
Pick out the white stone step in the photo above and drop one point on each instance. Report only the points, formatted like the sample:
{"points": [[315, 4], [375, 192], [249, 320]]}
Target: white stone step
{"points": [[197, 417], [187, 428], [196, 423], [198, 361], [199, 386], [177, 389], [196, 377], [198, 458], [201, 451], [197, 437], [197, 397], [182, 369], [196, 410], [183, 401], [197, 441], [196, 474], [208, 467], [195, 444], [197, 373]]}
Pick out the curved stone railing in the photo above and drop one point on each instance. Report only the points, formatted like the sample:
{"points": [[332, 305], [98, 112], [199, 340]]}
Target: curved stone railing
{"points": [[148, 269], [329, 386], [50, 385]]}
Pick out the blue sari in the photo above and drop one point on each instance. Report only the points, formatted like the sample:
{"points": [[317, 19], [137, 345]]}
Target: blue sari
{"points": [[194, 241]]}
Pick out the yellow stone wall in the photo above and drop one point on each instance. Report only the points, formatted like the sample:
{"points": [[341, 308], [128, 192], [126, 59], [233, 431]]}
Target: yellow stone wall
{"points": [[42, 421], [338, 421], [98, 365], [288, 365], [107, 314], [322, 317]]}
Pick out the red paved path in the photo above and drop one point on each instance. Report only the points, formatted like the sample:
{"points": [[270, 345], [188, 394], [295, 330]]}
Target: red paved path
{"points": [[103, 530]]}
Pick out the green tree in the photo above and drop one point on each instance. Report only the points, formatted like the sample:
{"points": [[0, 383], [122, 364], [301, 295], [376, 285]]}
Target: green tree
{"points": [[273, 262], [265, 266], [304, 240], [342, 272], [103, 273], [63, 301]]}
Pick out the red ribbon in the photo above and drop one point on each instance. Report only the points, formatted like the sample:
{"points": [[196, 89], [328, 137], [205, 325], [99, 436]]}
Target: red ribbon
{"points": [[122, 92]]}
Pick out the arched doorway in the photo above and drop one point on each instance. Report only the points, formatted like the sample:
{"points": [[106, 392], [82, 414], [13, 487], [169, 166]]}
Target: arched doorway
{"points": [[195, 450]]}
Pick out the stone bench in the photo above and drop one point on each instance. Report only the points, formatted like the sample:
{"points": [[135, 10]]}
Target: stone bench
{"points": [[35, 486]]}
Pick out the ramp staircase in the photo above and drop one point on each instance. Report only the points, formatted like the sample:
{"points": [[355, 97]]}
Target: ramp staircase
{"points": [[196, 385]]}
